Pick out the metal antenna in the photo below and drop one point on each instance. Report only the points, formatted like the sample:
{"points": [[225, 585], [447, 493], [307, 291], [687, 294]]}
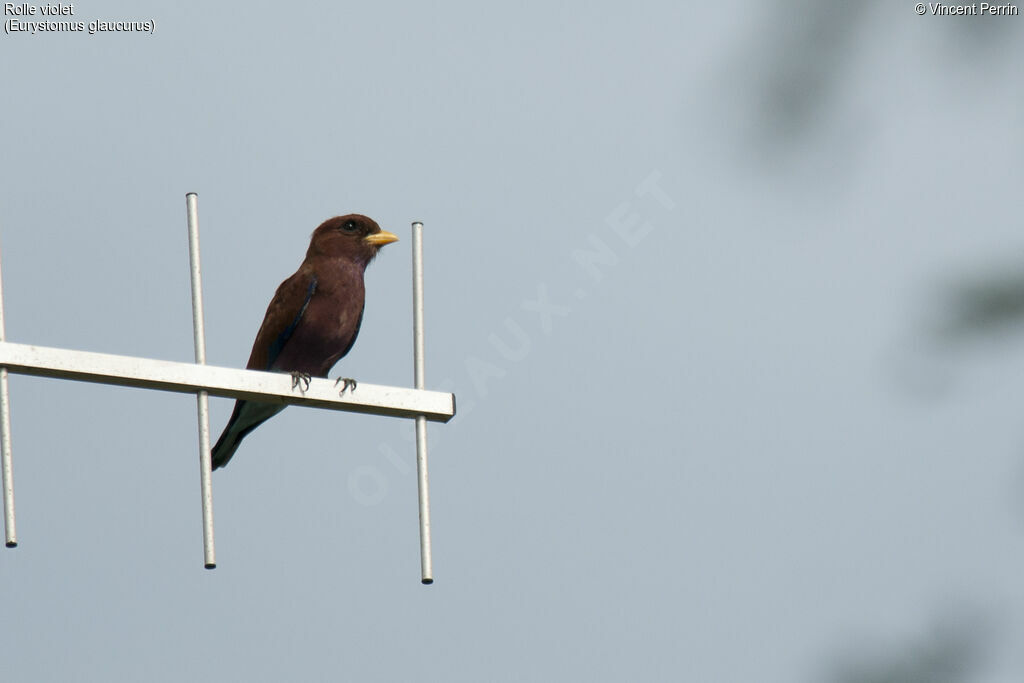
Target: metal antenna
{"points": [[10, 534], [250, 385], [426, 569], [202, 398]]}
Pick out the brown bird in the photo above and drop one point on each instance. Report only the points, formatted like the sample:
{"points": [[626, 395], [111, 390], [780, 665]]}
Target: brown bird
{"points": [[313, 319]]}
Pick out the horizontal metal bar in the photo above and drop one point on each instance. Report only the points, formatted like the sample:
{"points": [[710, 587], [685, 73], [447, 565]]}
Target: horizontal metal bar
{"points": [[253, 385]]}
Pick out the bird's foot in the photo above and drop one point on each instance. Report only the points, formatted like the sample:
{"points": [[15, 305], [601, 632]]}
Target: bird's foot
{"points": [[301, 380], [346, 383]]}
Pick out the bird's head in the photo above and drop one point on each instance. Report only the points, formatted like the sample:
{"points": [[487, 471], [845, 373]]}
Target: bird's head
{"points": [[354, 236]]}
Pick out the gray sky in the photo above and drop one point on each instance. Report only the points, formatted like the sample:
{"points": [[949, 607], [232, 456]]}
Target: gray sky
{"points": [[732, 450]]}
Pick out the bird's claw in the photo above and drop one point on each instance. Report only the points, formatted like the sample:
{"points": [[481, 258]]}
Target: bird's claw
{"points": [[300, 378], [346, 383]]}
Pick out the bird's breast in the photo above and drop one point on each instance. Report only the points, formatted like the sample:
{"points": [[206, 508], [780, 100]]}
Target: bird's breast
{"points": [[327, 330]]}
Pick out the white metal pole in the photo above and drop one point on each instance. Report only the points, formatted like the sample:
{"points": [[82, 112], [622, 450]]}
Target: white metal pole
{"points": [[10, 534], [202, 398], [426, 569]]}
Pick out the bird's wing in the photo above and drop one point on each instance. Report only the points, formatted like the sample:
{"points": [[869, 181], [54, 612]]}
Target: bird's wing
{"points": [[283, 315]]}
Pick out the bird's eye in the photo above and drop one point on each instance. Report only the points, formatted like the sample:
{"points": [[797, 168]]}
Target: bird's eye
{"points": [[349, 226]]}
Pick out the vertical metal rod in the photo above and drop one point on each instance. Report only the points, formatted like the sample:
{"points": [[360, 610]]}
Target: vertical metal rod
{"points": [[202, 399], [426, 570], [10, 534]]}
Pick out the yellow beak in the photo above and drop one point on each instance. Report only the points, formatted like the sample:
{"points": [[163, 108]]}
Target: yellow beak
{"points": [[379, 239]]}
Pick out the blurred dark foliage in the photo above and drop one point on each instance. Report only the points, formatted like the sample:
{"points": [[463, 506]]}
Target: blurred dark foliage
{"points": [[990, 305], [796, 63], [802, 50], [797, 68], [952, 652], [804, 65]]}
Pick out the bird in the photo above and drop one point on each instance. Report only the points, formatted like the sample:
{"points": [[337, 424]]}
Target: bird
{"points": [[312, 321]]}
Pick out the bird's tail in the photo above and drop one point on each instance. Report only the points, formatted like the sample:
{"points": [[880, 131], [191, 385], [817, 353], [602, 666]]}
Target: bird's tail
{"points": [[246, 417], [226, 446]]}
